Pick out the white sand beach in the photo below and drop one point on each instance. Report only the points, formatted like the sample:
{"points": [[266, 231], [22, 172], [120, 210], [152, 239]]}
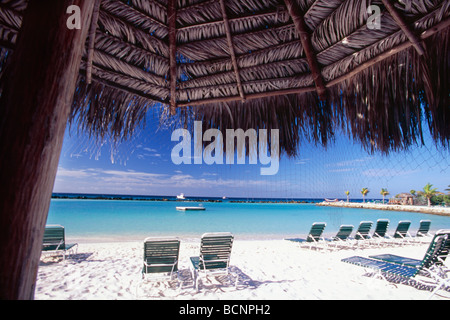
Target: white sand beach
{"points": [[267, 270]]}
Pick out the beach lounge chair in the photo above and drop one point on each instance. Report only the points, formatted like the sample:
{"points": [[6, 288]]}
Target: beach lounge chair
{"points": [[428, 266], [363, 232], [314, 235], [55, 241], [438, 260], [342, 237], [379, 235], [214, 258], [423, 233], [161, 256], [401, 234]]}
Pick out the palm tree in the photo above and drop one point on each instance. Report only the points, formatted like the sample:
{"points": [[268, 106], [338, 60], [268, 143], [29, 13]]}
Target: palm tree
{"points": [[364, 191], [347, 193], [428, 192], [384, 192], [413, 192]]}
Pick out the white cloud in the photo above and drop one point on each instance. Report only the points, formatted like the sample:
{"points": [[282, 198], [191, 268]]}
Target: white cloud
{"points": [[341, 170], [302, 161], [62, 172], [353, 162], [209, 174], [388, 172], [135, 182]]}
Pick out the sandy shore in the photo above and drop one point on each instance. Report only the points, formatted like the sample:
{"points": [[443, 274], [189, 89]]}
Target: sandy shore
{"points": [[267, 270], [379, 206]]}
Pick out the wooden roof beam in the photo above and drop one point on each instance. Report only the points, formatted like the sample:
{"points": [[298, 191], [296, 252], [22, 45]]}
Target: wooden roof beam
{"points": [[305, 38], [388, 53], [262, 14], [92, 34], [172, 20], [231, 48], [252, 96], [197, 5], [415, 40]]}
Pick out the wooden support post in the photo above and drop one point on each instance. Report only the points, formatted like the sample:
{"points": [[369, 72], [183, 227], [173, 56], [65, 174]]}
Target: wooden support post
{"points": [[231, 48], [415, 40], [92, 33], [305, 39], [38, 88], [172, 20]]}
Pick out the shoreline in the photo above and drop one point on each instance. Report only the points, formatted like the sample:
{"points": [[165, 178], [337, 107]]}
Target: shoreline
{"points": [[192, 199], [392, 207], [187, 238]]}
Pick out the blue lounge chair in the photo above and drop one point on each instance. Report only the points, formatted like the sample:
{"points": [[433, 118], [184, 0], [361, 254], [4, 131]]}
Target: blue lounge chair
{"points": [[405, 267], [314, 236], [54, 241], [214, 258]]}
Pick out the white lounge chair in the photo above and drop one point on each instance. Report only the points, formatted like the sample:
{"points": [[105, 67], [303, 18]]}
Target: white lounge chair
{"points": [[54, 241], [214, 258], [314, 237]]}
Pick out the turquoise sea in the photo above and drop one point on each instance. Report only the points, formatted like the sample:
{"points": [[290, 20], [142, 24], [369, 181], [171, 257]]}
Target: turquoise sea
{"points": [[93, 219]]}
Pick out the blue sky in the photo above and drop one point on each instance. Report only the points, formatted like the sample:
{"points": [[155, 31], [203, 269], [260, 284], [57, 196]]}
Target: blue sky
{"points": [[143, 166]]}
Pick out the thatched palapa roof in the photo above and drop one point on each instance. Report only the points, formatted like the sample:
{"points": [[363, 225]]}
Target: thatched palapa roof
{"points": [[306, 67]]}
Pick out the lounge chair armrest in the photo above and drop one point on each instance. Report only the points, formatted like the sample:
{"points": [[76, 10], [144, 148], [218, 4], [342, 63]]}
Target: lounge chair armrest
{"points": [[201, 260], [57, 244], [160, 264]]}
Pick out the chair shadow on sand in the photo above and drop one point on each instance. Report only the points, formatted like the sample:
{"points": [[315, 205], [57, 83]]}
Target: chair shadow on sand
{"points": [[73, 258], [394, 280], [237, 280]]}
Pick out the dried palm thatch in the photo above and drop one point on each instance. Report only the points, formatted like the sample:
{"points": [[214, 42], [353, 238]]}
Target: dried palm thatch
{"points": [[306, 67]]}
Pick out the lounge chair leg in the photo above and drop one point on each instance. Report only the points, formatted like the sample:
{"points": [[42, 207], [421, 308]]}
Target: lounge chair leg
{"points": [[236, 281], [195, 279], [435, 290], [196, 284]]}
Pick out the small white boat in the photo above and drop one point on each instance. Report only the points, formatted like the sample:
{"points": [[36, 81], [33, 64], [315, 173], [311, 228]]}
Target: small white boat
{"points": [[181, 196], [191, 208]]}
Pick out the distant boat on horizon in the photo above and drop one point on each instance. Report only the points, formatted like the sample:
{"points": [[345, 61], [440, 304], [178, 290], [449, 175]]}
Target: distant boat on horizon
{"points": [[181, 196]]}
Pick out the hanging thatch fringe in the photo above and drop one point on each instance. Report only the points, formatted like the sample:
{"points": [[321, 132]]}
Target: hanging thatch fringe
{"points": [[103, 111], [380, 91], [382, 107], [297, 117], [4, 55], [437, 110]]}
